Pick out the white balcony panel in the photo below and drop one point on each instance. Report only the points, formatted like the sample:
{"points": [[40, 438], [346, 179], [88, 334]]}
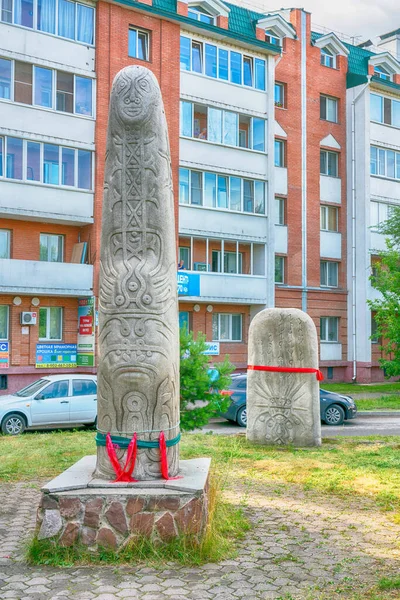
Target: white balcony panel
{"points": [[243, 289], [389, 136], [330, 351], [215, 157], [281, 181], [41, 124], [281, 237], [207, 222], [45, 278], [45, 203], [377, 241], [385, 188], [203, 89], [29, 45], [331, 244], [330, 189]]}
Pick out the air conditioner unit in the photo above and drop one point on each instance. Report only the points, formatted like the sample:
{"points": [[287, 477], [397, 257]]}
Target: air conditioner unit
{"points": [[28, 318]]}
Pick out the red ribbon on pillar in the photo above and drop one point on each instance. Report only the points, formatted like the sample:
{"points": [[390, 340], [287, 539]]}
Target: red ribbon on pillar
{"points": [[317, 372], [164, 458], [123, 474]]}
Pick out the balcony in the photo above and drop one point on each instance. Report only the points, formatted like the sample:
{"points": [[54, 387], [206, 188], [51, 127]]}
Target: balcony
{"points": [[219, 287], [194, 221], [381, 187], [330, 189], [281, 180], [45, 278], [50, 204], [281, 239], [331, 244]]}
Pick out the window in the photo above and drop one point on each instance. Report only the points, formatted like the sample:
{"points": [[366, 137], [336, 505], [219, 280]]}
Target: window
{"points": [[51, 247], [329, 218], [72, 20], [219, 63], [196, 187], [83, 96], [329, 329], [233, 262], [328, 59], [200, 14], [280, 211], [279, 269], [385, 110], [226, 327], [184, 320], [50, 323], [5, 78], [184, 186], [4, 243], [385, 163], [4, 318], [58, 389], [380, 212], [279, 95], [382, 73], [329, 273], [22, 82], [329, 109], [184, 258], [83, 387], [272, 38], [43, 87], [14, 158], [329, 163], [280, 153]]}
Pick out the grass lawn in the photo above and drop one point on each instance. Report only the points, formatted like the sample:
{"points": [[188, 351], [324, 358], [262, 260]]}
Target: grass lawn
{"points": [[358, 388], [382, 403]]}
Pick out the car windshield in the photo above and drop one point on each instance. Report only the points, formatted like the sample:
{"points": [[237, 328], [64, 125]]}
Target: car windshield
{"points": [[32, 388]]}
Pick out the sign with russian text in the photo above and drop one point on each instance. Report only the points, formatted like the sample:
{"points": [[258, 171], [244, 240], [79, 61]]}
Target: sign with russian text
{"points": [[86, 332], [4, 355], [212, 349], [188, 284], [49, 356]]}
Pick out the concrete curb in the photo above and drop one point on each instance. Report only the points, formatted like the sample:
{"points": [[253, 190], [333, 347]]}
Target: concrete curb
{"points": [[377, 413]]}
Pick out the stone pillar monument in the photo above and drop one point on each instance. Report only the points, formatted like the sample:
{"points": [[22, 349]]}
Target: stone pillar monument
{"points": [[283, 407], [138, 373]]}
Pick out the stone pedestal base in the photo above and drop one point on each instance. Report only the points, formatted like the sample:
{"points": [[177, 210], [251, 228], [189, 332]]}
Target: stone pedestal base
{"points": [[77, 509]]}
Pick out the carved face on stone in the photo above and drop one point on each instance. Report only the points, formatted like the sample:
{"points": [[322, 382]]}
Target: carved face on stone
{"points": [[134, 96]]}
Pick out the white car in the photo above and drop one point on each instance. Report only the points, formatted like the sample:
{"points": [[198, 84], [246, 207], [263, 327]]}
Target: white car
{"points": [[52, 400]]}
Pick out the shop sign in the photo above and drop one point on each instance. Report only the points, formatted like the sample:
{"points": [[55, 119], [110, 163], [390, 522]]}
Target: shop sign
{"points": [[49, 356]]}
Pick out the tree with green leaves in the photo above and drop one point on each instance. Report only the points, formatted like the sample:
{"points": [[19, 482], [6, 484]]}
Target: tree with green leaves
{"points": [[201, 386], [386, 279]]}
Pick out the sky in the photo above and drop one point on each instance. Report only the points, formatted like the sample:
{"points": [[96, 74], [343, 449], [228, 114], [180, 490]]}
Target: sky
{"points": [[364, 18]]}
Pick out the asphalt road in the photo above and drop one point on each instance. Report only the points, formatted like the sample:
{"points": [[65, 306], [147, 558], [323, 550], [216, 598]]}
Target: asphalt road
{"points": [[363, 424]]}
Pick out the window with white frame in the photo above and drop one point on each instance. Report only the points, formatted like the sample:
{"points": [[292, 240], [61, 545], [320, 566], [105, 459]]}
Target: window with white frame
{"points": [[280, 211], [226, 327], [198, 13], [329, 218], [5, 238], [67, 19], [328, 58], [329, 108], [184, 258], [51, 247], [45, 163], [329, 162], [279, 95], [233, 262], [385, 110], [50, 323], [272, 38], [385, 163], [138, 43], [329, 329], [30, 84], [379, 213], [4, 320], [329, 273], [279, 269], [213, 190], [382, 73], [280, 153]]}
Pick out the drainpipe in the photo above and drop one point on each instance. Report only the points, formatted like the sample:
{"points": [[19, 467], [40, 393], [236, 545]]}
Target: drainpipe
{"points": [[353, 225], [304, 160]]}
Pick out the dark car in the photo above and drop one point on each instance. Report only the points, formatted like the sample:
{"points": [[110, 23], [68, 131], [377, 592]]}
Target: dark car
{"points": [[334, 407]]}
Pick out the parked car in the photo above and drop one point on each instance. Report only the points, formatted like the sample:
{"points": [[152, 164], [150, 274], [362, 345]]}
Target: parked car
{"points": [[51, 400], [335, 408]]}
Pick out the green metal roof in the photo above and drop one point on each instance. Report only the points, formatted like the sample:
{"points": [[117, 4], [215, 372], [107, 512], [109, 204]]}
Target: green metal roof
{"points": [[388, 35]]}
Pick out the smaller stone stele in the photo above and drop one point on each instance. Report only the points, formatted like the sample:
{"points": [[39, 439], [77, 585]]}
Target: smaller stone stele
{"points": [[283, 408]]}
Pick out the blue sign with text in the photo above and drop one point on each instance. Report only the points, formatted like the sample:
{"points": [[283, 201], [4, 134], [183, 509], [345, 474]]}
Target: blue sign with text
{"points": [[55, 355], [188, 284]]}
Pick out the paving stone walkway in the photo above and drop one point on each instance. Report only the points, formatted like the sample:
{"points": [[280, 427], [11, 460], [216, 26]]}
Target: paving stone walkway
{"points": [[302, 546]]}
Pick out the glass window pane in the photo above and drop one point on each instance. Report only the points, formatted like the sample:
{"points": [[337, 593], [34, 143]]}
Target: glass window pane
{"points": [[83, 97], [65, 92], [23, 82], [67, 166], [374, 160], [332, 164], [224, 327], [236, 67], [324, 272], [66, 19], [197, 57], [1, 156], [5, 78], [331, 110], [196, 181], [332, 218], [322, 326], [279, 265], [259, 199], [279, 211], [397, 165], [84, 170], [186, 119], [33, 161], [332, 329], [390, 166], [14, 158], [237, 328], [248, 195], [260, 73], [132, 43], [4, 244], [259, 134], [230, 128], [248, 71], [279, 95], [55, 323], [6, 11], [395, 113], [85, 20], [184, 186], [223, 64], [51, 164], [43, 87], [387, 111], [332, 274], [210, 189], [3, 322], [376, 108], [279, 155], [143, 53], [23, 12], [323, 163], [235, 193], [211, 60], [381, 162], [185, 53], [215, 335], [215, 125], [46, 15], [222, 192]]}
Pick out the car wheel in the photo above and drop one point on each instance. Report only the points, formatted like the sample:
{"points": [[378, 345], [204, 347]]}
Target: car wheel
{"points": [[91, 425], [334, 415], [13, 424], [241, 417]]}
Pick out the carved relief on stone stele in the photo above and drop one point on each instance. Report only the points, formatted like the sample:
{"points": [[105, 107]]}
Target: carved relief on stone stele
{"points": [[138, 374], [283, 408]]}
